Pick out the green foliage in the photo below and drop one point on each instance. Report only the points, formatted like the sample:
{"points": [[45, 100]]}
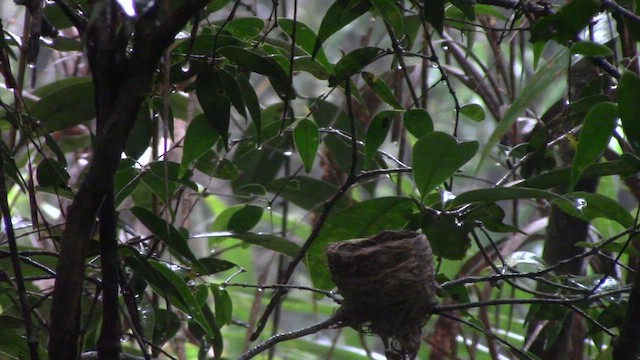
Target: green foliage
{"points": [[242, 158]]}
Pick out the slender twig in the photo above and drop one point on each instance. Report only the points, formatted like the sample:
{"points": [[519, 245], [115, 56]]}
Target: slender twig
{"points": [[334, 321]]}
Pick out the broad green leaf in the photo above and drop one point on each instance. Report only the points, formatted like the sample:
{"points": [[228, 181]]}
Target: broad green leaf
{"points": [[418, 122], [561, 177], [214, 101], [13, 345], [434, 13], [126, 180], [377, 133], [51, 173], [66, 106], [381, 89], [166, 326], [629, 107], [166, 232], [590, 206], [200, 137], [361, 220], [233, 92], [467, 7], [564, 25], [588, 48], [391, 14], [502, 193], [215, 265], [354, 62], [305, 39], [251, 101], [223, 304], [245, 218], [194, 308], [245, 28], [267, 66], [307, 138], [474, 112], [340, 14], [596, 132], [531, 93], [448, 235], [267, 241], [140, 137], [436, 157], [307, 192]]}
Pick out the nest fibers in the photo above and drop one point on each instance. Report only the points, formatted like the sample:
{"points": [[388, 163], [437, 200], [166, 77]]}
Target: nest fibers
{"points": [[388, 286]]}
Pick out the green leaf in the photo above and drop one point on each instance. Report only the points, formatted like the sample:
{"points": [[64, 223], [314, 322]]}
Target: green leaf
{"points": [[65, 106], [474, 112], [434, 13], [588, 48], [267, 241], [307, 139], [140, 137], [252, 103], [561, 177], [245, 28], [245, 218], [233, 91], [307, 192], [264, 65], [166, 232], [418, 122], [214, 101], [436, 157], [305, 39], [590, 206], [195, 309], [629, 107], [200, 137], [214, 265], [51, 173], [166, 326], [564, 25], [448, 235], [354, 62], [595, 135], [391, 14], [361, 220], [531, 93], [13, 345], [381, 89], [502, 193], [223, 304], [466, 6], [377, 133], [340, 14]]}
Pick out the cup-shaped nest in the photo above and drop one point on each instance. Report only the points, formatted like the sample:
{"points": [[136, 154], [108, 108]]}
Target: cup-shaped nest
{"points": [[388, 286]]}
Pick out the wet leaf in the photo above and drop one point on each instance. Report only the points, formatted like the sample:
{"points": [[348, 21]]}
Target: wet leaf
{"points": [[339, 15], [307, 138], [418, 122], [629, 107], [436, 157], [377, 133]]}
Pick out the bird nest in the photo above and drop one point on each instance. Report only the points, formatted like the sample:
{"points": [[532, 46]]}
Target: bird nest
{"points": [[388, 287]]}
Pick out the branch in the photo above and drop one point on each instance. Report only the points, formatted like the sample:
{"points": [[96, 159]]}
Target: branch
{"points": [[336, 319], [622, 10]]}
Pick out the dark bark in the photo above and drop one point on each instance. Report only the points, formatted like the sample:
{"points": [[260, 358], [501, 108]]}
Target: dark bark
{"points": [[152, 35]]}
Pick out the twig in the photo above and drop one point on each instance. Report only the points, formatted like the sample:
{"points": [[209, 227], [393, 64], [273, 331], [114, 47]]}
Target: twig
{"points": [[335, 320]]}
